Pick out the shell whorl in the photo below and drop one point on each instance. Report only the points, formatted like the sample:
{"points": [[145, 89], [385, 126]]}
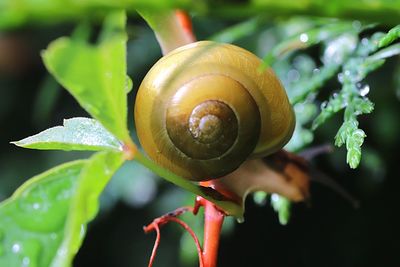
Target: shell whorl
{"points": [[211, 128]]}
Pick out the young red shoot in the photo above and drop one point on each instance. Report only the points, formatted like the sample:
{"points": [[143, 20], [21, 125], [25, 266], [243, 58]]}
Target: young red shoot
{"points": [[172, 217]]}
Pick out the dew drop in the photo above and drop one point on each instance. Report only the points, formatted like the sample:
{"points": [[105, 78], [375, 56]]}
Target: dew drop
{"points": [[36, 206], [340, 77], [37, 214], [324, 104], [364, 90], [82, 231], [316, 71], [31, 253], [275, 197], [293, 75], [62, 252], [16, 248], [128, 84], [53, 236], [26, 261], [304, 37], [107, 170], [240, 220]]}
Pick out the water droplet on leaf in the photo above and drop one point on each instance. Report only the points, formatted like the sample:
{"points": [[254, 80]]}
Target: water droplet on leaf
{"points": [[240, 220], [36, 206], [128, 84], [16, 248], [364, 41], [316, 71], [304, 37], [26, 261], [43, 208], [31, 253], [62, 252], [293, 75], [340, 77], [107, 170], [364, 90], [82, 231], [275, 197], [53, 236]]}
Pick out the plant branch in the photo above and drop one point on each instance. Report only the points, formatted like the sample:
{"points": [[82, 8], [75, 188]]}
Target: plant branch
{"points": [[384, 11], [381, 10], [172, 216], [213, 220], [172, 28]]}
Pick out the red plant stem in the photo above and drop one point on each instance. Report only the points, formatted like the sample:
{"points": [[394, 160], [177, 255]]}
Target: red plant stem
{"points": [[213, 219], [156, 244], [171, 216], [196, 240]]}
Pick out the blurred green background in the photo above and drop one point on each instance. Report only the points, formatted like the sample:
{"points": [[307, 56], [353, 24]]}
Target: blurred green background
{"points": [[327, 231]]}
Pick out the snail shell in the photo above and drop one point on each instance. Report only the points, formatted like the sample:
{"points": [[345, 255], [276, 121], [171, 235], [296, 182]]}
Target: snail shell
{"points": [[206, 107]]}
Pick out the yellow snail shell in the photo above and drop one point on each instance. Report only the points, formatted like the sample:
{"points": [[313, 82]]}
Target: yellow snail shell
{"points": [[206, 107]]}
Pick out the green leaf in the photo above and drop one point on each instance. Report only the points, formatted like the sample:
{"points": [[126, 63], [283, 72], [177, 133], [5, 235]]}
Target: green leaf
{"points": [[85, 204], [76, 134], [43, 223], [387, 52], [347, 128], [328, 109], [352, 136], [353, 146], [32, 220], [362, 105], [390, 37], [306, 39], [95, 74]]}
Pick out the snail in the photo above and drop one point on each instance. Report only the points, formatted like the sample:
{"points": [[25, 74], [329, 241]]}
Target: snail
{"points": [[206, 107]]}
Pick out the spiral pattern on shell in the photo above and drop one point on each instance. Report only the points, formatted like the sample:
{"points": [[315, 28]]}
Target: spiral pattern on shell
{"points": [[206, 107]]}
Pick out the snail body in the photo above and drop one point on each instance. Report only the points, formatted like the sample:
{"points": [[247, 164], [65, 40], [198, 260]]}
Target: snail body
{"points": [[206, 107]]}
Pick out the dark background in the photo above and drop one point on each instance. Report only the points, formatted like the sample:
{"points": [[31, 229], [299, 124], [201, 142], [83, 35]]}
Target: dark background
{"points": [[327, 231]]}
